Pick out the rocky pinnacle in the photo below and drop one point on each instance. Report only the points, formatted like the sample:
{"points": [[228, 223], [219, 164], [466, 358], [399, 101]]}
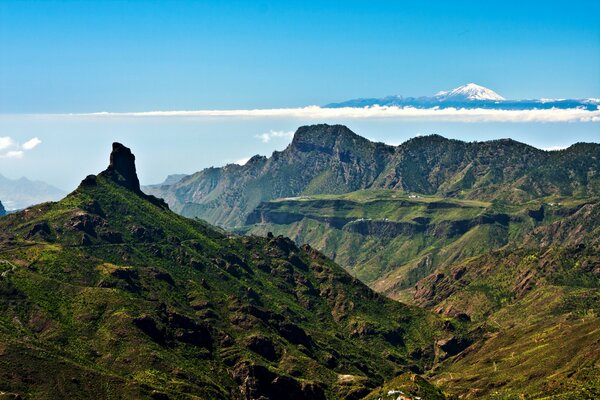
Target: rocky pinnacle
{"points": [[122, 167]]}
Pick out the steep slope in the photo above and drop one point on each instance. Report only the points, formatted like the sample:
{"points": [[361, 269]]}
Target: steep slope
{"points": [[540, 307], [2, 210], [320, 159], [107, 293], [325, 159], [391, 240], [374, 232]]}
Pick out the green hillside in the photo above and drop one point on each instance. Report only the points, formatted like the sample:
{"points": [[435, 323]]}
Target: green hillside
{"points": [[108, 294], [391, 239], [526, 276]]}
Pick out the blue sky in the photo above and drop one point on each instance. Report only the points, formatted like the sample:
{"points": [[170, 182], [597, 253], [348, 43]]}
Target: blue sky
{"points": [[85, 56], [74, 56]]}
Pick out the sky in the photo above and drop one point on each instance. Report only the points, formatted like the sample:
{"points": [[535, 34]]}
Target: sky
{"points": [[60, 61]]}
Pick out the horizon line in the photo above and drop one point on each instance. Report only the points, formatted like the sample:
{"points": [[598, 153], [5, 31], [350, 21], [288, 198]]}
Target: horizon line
{"points": [[450, 114]]}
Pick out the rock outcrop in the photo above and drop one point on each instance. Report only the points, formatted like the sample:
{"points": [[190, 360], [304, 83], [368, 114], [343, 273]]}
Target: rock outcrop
{"points": [[331, 159], [121, 169]]}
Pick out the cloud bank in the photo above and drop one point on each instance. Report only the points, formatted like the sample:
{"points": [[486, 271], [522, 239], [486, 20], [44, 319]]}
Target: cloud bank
{"points": [[266, 137], [242, 161], [12, 149], [379, 112]]}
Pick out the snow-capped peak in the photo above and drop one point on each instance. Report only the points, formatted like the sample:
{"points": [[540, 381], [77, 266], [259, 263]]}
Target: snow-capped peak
{"points": [[470, 91]]}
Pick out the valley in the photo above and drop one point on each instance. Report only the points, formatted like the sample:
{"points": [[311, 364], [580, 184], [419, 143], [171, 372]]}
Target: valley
{"points": [[487, 291], [498, 235]]}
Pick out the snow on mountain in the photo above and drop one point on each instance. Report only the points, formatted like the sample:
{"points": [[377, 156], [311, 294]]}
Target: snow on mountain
{"points": [[470, 91], [470, 96]]}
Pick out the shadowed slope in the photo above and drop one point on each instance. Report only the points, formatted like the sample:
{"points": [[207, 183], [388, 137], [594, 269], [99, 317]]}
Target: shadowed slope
{"points": [[108, 294], [331, 159]]}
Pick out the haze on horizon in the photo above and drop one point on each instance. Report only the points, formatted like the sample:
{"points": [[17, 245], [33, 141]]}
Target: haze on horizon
{"points": [[68, 59]]}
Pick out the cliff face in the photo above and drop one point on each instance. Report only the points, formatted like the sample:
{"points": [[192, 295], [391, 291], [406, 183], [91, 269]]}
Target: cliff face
{"points": [[324, 159], [391, 240], [273, 213], [516, 272], [2, 210]]}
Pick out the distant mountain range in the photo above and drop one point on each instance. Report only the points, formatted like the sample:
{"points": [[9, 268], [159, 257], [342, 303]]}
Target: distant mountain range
{"points": [[470, 95], [20, 193], [331, 159]]}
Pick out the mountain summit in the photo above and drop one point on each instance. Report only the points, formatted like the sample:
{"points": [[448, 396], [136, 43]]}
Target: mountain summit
{"points": [[122, 167], [468, 96], [331, 159], [470, 91], [21, 193]]}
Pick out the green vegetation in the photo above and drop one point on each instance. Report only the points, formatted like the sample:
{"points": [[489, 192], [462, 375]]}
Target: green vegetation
{"points": [[107, 293], [392, 239]]}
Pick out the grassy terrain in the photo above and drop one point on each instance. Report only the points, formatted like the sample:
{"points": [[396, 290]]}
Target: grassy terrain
{"points": [[391, 239], [109, 294], [529, 283]]}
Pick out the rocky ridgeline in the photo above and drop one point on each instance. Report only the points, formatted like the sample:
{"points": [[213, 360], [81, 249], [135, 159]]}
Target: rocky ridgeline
{"points": [[139, 292], [331, 159]]}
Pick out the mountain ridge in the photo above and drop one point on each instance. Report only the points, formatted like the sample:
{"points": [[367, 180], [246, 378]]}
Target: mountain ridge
{"points": [[332, 159], [21, 193], [109, 293], [469, 96]]}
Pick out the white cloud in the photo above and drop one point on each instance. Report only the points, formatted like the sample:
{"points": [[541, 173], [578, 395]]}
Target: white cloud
{"points": [[14, 149], [31, 143], [13, 154], [553, 148], [5, 142], [267, 136], [242, 161], [378, 112]]}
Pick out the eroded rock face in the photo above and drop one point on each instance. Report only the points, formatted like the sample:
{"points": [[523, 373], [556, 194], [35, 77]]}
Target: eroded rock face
{"points": [[2, 210], [122, 167], [262, 346], [451, 346], [258, 382], [42, 229], [121, 170]]}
